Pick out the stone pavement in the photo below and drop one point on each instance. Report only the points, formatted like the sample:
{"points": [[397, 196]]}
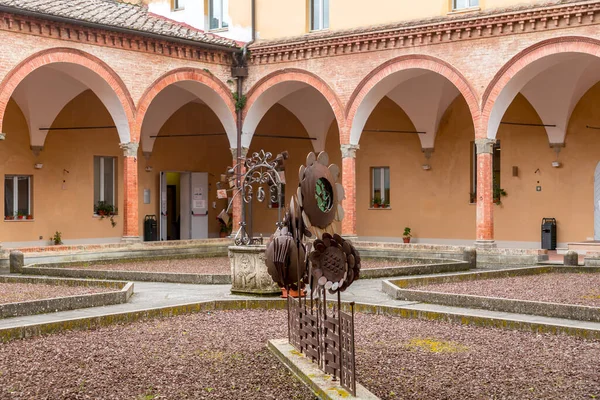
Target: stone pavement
{"points": [[156, 295]]}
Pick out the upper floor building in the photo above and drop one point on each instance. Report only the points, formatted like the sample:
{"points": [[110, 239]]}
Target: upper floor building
{"points": [[277, 19]]}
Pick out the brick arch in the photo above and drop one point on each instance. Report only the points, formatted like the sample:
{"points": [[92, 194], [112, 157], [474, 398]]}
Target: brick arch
{"points": [[405, 63], [191, 75], [68, 56], [295, 75], [543, 49]]}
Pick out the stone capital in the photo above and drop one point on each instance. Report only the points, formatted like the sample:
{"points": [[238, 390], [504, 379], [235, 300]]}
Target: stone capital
{"points": [[234, 152], [2, 136], [130, 149], [36, 150], [485, 146], [349, 150], [428, 151]]}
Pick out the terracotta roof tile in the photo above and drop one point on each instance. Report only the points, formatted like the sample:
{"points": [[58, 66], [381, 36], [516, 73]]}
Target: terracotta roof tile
{"points": [[111, 13]]}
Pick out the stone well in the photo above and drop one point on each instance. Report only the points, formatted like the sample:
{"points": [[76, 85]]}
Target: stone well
{"points": [[249, 272]]}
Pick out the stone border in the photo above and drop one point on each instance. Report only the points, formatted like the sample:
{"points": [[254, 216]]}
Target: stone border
{"points": [[123, 292], [308, 373], [32, 330], [170, 277], [431, 266], [399, 290]]}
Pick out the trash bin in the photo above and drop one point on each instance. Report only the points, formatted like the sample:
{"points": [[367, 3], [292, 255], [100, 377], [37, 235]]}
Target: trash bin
{"points": [[549, 233], [150, 228]]}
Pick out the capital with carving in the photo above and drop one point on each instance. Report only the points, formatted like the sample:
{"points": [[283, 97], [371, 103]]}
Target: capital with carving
{"points": [[485, 146], [37, 150], [2, 136], [130, 149], [349, 150], [234, 152]]}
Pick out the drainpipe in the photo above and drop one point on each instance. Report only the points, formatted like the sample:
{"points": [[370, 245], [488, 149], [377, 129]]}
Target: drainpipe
{"points": [[240, 72]]}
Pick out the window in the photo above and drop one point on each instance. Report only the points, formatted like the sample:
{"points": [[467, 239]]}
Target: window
{"points": [[319, 15], [380, 187], [496, 173], [217, 10], [176, 5], [464, 4], [17, 197], [105, 172]]}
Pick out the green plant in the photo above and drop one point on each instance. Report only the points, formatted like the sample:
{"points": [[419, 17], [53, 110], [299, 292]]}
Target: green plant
{"points": [[106, 210], [240, 102], [57, 238], [498, 194], [226, 227], [407, 233], [229, 81], [376, 201], [20, 215]]}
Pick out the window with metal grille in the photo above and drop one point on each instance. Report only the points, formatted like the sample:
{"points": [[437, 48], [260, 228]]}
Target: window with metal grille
{"points": [[105, 172], [17, 197]]}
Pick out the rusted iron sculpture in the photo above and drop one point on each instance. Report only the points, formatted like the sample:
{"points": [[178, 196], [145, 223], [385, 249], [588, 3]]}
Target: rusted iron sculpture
{"points": [[259, 172], [329, 265]]}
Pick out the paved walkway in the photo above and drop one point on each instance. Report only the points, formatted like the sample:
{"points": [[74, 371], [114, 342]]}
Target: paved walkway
{"points": [[149, 295]]}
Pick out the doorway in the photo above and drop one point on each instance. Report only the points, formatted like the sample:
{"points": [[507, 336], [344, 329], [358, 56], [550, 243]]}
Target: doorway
{"points": [[183, 202]]}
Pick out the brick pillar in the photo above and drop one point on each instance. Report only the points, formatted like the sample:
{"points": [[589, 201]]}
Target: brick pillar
{"points": [[237, 202], [131, 231], [485, 193], [349, 182]]}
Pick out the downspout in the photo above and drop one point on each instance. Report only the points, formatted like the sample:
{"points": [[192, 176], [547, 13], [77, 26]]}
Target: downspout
{"points": [[240, 93]]}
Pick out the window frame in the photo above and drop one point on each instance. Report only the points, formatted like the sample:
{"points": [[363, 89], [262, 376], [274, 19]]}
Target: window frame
{"points": [[322, 20], [496, 172], [383, 198], [176, 6], [102, 195], [14, 216], [223, 25], [470, 6]]}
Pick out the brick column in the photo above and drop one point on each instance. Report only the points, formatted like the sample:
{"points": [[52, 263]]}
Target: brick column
{"points": [[131, 231], [485, 193], [349, 182], [237, 202]]}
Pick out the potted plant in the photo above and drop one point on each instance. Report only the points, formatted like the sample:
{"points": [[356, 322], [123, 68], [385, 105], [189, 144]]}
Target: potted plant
{"points": [[376, 202], [57, 238], [105, 210], [9, 217], [406, 235], [498, 194], [29, 216], [225, 228], [386, 205]]}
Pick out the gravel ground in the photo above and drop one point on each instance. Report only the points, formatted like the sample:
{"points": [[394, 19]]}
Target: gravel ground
{"points": [[17, 292], [571, 288], [207, 265], [222, 355]]}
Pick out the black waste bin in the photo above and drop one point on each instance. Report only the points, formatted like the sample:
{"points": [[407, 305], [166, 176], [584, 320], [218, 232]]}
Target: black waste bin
{"points": [[549, 233], [150, 228]]}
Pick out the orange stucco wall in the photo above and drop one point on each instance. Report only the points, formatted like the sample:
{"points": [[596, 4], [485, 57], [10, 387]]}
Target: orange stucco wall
{"points": [[62, 201]]}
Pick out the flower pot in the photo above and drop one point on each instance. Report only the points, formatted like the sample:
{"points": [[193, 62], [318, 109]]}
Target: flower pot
{"points": [[9, 218], [406, 240], [375, 205], [21, 217], [101, 213], [30, 217], [222, 234]]}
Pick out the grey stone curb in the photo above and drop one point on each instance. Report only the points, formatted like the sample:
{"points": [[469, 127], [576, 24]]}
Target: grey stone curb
{"points": [[309, 374], [423, 269], [25, 331], [121, 295], [169, 277]]}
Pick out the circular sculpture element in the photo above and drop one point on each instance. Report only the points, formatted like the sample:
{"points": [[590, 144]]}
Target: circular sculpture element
{"points": [[320, 194], [335, 263]]}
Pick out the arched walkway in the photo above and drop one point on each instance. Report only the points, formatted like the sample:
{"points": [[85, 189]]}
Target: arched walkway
{"points": [[84, 68], [197, 83]]}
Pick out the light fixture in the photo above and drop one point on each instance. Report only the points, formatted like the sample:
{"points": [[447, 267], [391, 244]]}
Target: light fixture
{"points": [[148, 169], [427, 152], [426, 167], [556, 147], [556, 164], [38, 166]]}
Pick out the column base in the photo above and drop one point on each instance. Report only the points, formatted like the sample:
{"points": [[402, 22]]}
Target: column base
{"points": [[131, 239], [485, 244]]}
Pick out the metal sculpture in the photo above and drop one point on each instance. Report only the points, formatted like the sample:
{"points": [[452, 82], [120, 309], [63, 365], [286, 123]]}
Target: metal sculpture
{"points": [[329, 265], [259, 172]]}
